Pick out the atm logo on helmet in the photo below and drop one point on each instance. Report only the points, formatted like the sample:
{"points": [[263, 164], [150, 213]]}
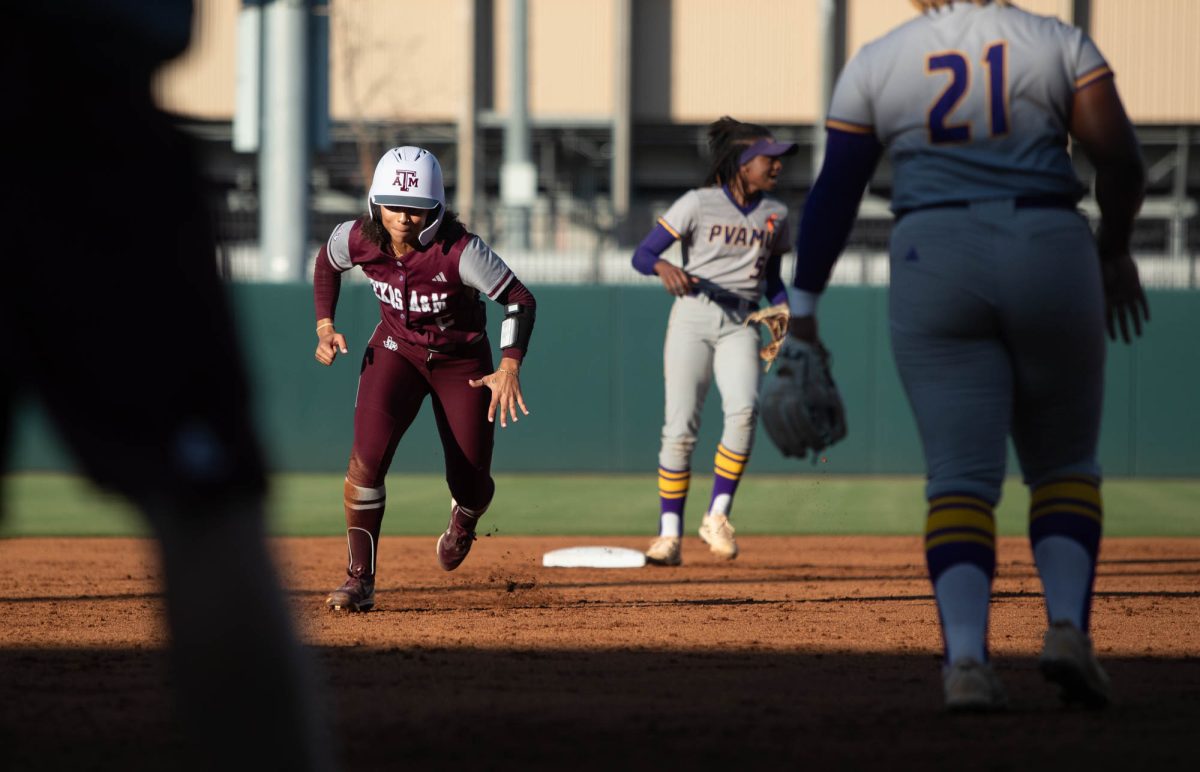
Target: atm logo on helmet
{"points": [[405, 179]]}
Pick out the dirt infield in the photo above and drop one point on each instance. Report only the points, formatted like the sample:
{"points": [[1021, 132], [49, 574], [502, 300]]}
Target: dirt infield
{"points": [[813, 652]]}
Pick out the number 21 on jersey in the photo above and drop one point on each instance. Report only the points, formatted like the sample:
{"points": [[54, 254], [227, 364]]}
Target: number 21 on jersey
{"points": [[941, 129]]}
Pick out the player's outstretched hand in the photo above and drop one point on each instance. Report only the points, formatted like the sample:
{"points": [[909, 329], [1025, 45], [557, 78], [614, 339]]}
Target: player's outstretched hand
{"points": [[1125, 302], [330, 346], [677, 281], [506, 392]]}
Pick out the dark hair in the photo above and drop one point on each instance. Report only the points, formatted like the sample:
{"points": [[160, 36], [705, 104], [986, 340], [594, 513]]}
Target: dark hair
{"points": [[727, 138], [373, 229]]}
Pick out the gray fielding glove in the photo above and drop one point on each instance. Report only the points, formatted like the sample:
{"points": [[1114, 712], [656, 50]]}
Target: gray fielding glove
{"points": [[801, 406]]}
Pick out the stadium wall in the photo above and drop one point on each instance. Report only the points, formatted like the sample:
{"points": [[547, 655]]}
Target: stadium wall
{"points": [[685, 54], [593, 383]]}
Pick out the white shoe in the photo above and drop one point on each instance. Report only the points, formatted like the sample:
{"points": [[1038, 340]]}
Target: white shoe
{"points": [[664, 551], [717, 532], [970, 685], [1069, 661]]}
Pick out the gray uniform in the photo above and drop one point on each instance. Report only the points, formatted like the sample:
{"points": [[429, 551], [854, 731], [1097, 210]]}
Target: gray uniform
{"points": [[996, 300], [996, 311], [728, 246]]}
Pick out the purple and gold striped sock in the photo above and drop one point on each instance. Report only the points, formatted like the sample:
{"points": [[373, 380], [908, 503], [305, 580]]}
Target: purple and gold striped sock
{"points": [[672, 495], [960, 551], [728, 466], [1066, 517]]}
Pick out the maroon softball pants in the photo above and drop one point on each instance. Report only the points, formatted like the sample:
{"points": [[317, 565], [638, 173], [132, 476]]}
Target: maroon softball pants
{"points": [[391, 387]]}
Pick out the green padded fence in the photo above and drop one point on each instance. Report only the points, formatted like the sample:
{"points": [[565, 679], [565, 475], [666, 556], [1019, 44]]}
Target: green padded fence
{"points": [[593, 383]]}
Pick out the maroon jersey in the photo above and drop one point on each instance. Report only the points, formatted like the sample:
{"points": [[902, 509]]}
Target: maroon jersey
{"points": [[430, 296]]}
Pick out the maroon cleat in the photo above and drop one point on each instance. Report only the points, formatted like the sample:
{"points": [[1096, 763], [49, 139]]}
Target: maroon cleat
{"points": [[455, 543], [356, 594]]}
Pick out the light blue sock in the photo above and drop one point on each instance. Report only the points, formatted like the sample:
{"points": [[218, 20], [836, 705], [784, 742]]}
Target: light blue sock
{"points": [[1066, 520], [1066, 570], [963, 592]]}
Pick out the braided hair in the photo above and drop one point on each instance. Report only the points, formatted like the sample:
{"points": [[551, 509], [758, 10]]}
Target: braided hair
{"points": [[727, 138]]}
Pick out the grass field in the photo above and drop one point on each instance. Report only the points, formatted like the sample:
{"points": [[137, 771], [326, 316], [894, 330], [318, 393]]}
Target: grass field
{"points": [[38, 504]]}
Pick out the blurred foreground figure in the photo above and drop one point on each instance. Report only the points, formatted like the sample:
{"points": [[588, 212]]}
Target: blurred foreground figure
{"points": [[998, 298], [122, 330]]}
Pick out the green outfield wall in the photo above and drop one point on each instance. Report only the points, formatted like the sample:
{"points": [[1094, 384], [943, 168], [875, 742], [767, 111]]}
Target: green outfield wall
{"points": [[593, 383]]}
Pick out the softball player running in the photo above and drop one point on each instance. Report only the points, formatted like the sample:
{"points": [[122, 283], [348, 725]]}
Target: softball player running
{"points": [[998, 296], [733, 235], [428, 273]]}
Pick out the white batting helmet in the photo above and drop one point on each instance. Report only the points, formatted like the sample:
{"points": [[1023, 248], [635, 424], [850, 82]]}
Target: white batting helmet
{"points": [[410, 176]]}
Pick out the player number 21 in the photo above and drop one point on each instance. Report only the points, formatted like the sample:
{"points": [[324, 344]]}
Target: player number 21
{"points": [[940, 131]]}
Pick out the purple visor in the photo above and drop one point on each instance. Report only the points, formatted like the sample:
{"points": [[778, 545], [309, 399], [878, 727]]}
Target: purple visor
{"points": [[767, 147]]}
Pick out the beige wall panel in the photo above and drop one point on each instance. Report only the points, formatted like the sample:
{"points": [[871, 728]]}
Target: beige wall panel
{"points": [[867, 20], [1059, 8], [396, 60], [389, 60], [754, 60], [1152, 47], [501, 51], [200, 83], [570, 64]]}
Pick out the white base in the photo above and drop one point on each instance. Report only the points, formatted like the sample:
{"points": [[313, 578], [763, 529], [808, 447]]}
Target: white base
{"points": [[594, 557]]}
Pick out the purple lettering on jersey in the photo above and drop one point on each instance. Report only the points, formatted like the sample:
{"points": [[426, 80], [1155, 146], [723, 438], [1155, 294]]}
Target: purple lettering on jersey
{"points": [[740, 239], [714, 232], [758, 237], [940, 131]]}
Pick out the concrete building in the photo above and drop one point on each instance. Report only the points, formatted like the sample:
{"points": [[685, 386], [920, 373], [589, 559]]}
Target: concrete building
{"points": [[618, 93]]}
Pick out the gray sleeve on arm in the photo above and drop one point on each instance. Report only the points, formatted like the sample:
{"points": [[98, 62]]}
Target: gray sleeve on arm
{"points": [[680, 219], [783, 239], [851, 109], [1090, 64], [339, 247], [481, 268]]}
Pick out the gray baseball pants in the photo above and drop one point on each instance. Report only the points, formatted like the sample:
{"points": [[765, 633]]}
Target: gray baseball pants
{"points": [[705, 341]]}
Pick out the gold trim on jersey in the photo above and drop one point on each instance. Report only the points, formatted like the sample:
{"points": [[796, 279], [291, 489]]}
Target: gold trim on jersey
{"points": [[853, 128], [1091, 76], [669, 229]]}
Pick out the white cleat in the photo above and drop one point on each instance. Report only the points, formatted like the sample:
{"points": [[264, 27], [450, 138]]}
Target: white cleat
{"points": [[717, 533], [971, 686], [1069, 661], [664, 551]]}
